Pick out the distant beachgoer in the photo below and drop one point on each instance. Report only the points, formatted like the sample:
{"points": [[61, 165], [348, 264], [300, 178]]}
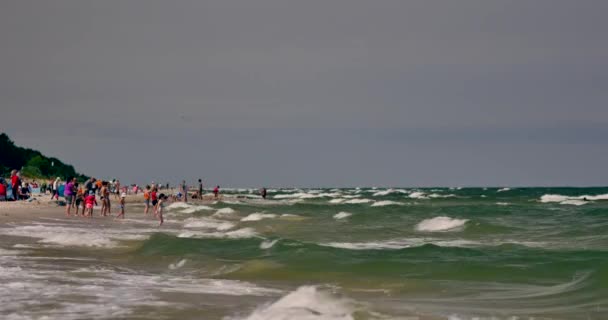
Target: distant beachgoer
{"points": [[184, 189], [117, 188], [90, 202], [79, 199], [154, 198], [68, 193], [146, 199], [216, 192], [2, 190], [122, 206], [56, 184], [98, 185], [200, 189], [24, 192], [15, 184], [159, 208], [264, 193]]}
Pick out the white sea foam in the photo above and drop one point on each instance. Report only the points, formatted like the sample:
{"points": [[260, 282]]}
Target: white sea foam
{"points": [[337, 201], [503, 189], [257, 216], [306, 303], [436, 195], [194, 209], [387, 192], [224, 212], [418, 195], [440, 224], [307, 195], [396, 244], [572, 200], [386, 203], [63, 236], [236, 234], [342, 215], [178, 265], [267, 244], [358, 201], [207, 223], [178, 205], [502, 203]]}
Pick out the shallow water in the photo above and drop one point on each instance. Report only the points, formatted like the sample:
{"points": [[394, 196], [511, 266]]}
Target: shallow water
{"points": [[439, 253]]}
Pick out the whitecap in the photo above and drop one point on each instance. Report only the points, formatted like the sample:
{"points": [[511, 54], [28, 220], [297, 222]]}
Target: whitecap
{"points": [[178, 265], [194, 209], [257, 216], [358, 201], [440, 224], [342, 215], [193, 223], [178, 205], [418, 195], [306, 303], [236, 234], [386, 203], [267, 244], [503, 189], [224, 212]]}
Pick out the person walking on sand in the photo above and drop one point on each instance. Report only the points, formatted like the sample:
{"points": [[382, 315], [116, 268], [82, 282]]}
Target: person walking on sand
{"points": [[15, 183], [56, 188], [90, 202]]}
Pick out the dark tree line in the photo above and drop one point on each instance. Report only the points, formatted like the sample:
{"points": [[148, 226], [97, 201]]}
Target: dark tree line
{"points": [[32, 163]]}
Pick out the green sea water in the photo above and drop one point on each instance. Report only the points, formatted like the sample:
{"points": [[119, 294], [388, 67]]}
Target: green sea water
{"points": [[359, 253]]}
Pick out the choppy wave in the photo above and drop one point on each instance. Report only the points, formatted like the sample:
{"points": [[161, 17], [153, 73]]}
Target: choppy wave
{"points": [[440, 224], [307, 302], [342, 215], [257, 216], [386, 203]]}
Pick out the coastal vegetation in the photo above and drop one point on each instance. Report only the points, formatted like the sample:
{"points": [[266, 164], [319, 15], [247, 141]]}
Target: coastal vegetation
{"points": [[32, 163]]}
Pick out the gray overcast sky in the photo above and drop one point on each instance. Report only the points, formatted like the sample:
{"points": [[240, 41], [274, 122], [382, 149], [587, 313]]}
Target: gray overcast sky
{"points": [[312, 93]]}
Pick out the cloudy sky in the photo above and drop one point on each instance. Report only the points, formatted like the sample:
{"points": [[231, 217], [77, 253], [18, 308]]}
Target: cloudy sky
{"points": [[312, 93]]}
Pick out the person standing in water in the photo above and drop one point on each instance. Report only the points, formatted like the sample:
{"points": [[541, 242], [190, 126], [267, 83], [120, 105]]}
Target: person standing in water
{"points": [[200, 189], [122, 206], [216, 192], [159, 208], [264, 193], [146, 199], [184, 189]]}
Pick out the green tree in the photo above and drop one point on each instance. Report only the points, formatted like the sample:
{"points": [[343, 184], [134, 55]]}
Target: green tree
{"points": [[43, 164]]}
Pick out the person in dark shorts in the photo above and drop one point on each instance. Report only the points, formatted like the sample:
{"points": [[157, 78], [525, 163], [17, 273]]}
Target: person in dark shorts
{"points": [[200, 189]]}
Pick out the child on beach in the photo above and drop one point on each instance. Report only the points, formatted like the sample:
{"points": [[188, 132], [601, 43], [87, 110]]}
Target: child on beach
{"points": [[159, 208], [80, 200], [90, 201], [122, 206], [147, 200]]}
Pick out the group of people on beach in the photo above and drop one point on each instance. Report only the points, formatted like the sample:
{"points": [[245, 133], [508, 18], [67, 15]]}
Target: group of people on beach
{"points": [[82, 197]]}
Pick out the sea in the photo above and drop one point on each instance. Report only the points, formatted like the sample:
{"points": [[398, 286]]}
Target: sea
{"points": [[322, 253]]}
